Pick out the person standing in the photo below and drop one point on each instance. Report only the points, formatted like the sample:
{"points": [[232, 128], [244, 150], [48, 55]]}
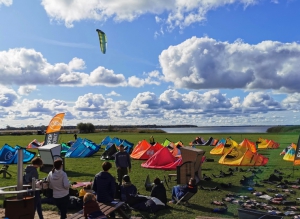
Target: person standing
{"points": [[105, 184], [31, 172], [75, 136], [59, 183], [123, 163], [152, 141]]}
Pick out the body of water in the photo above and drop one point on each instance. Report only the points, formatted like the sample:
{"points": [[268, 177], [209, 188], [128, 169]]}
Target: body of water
{"points": [[219, 129]]}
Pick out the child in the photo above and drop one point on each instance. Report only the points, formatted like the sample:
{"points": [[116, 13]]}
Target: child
{"points": [[84, 190], [30, 172], [91, 208]]}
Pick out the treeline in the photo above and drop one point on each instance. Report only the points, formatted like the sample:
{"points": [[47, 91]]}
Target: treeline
{"points": [[107, 127], [284, 129]]}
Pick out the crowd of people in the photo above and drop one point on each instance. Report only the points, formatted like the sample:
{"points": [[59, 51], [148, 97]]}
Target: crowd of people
{"points": [[104, 188]]}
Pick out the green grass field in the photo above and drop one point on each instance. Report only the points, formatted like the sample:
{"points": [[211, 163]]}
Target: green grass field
{"points": [[84, 169]]}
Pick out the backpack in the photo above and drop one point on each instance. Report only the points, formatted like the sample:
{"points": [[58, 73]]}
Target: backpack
{"points": [[148, 206], [274, 177]]}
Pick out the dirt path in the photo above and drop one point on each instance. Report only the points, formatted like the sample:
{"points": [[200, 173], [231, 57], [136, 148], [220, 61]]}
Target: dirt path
{"points": [[46, 214]]}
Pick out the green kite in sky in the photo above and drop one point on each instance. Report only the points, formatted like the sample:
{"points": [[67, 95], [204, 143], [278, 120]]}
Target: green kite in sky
{"points": [[102, 40]]}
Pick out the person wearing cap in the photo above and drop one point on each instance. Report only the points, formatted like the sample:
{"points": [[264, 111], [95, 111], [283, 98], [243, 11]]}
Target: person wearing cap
{"points": [[123, 163], [127, 188]]}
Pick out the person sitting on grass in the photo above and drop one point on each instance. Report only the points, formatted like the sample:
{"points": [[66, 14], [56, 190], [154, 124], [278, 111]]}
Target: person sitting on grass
{"points": [[91, 208], [159, 190], [179, 191], [127, 188]]}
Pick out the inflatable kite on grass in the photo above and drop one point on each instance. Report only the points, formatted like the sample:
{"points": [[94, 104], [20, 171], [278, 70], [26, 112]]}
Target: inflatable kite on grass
{"points": [[102, 40]]}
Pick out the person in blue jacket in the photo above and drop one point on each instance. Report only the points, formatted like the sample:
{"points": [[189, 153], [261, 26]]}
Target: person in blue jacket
{"points": [[179, 191], [105, 184], [123, 163]]}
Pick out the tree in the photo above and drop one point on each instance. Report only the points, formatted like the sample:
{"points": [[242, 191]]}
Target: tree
{"points": [[90, 128], [86, 127], [110, 128]]}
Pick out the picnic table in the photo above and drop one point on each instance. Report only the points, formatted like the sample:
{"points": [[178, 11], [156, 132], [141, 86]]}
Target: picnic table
{"points": [[107, 209]]}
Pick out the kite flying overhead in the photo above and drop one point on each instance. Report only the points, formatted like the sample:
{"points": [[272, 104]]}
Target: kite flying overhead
{"points": [[102, 40]]}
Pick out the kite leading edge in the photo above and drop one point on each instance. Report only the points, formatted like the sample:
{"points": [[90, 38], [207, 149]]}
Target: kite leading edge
{"points": [[102, 40]]}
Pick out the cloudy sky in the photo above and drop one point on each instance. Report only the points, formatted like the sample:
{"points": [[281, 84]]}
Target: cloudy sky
{"points": [[200, 62]]}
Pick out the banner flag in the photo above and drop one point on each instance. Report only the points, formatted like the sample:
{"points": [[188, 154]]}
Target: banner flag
{"points": [[53, 129], [297, 153]]}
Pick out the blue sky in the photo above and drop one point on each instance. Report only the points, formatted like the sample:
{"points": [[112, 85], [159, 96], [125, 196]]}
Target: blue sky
{"points": [[172, 62]]}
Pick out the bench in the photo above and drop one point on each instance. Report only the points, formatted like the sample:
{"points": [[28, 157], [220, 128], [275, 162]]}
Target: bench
{"points": [[107, 209]]}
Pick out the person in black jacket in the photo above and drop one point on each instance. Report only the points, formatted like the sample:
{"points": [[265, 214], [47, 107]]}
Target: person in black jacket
{"points": [[179, 191], [104, 184], [159, 191], [127, 188]]}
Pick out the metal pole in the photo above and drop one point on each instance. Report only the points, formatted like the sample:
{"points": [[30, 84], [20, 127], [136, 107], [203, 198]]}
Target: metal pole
{"points": [[20, 173]]}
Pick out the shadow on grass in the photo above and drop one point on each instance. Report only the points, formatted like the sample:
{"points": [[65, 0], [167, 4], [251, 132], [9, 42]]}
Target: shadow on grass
{"points": [[71, 173], [204, 169]]}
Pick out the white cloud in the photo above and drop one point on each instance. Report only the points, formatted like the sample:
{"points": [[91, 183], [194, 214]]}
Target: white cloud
{"points": [[260, 102], [7, 97], [180, 13], [292, 101], [22, 66], [113, 93], [153, 77], [102, 76], [6, 2], [170, 107], [201, 63], [26, 90]]}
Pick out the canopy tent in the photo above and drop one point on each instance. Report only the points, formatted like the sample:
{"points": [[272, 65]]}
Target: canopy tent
{"points": [[82, 148], [163, 160], [243, 157], [9, 155], [144, 150]]}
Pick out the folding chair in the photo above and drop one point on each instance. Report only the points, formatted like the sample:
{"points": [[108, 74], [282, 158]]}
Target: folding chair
{"points": [[166, 182], [184, 200]]}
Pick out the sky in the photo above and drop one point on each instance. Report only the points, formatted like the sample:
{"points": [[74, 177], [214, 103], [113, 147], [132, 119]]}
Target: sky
{"points": [[171, 62]]}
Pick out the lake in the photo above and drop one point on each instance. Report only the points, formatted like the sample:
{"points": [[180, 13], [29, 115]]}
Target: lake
{"points": [[219, 129]]}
